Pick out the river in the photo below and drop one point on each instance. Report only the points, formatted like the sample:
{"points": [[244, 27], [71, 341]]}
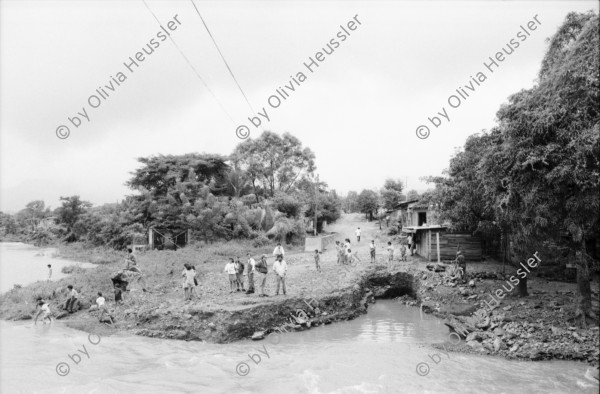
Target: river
{"points": [[375, 353]]}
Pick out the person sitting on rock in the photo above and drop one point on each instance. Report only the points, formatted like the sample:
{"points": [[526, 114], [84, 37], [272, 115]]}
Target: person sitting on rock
{"points": [[72, 303]]}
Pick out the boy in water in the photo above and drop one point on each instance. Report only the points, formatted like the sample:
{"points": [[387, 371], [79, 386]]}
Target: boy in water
{"points": [[49, 272], [45, 309], [317, 260]]}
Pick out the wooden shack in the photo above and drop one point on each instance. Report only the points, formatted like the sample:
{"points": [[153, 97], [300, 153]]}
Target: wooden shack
{"points": [[435, 243]]}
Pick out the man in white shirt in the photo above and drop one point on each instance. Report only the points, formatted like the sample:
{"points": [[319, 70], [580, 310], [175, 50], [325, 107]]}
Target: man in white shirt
{"points": [[410, 244], [250, 269], [278, 251], [280, 268], [357, 232]]}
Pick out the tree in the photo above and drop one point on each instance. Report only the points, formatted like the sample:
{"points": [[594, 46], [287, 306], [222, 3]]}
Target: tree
{"points": [[368, 202], [550, 137], [69, 213], [412, 195], [350, 202], [277, 162], [391, 193]]}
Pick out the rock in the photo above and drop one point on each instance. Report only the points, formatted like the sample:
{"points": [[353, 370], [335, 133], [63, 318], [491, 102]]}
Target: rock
{"points": [[472, 297], [499, 331], [514, 348], [93, 308], [258, 335], [475, 345], [507, 308], [471, 283], [60, 315]]}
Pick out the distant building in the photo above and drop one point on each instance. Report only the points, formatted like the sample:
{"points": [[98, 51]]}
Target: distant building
{"points": [[432, 240]]}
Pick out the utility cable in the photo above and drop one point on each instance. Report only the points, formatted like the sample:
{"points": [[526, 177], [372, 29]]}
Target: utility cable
{"points": [[223, 57], [191, 66]]}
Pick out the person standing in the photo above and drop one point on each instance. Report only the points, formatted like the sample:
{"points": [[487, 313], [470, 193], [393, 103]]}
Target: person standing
{"points": [[372, 251], [357, 232], [390, 250], [403, 252], [317, 260], [278, 251], [280, 268], [230, 271], [338, 251], [462, 265], [250, 270], [410, 243], [49, 272], [239, 274], [263, 270], [188, 281]]}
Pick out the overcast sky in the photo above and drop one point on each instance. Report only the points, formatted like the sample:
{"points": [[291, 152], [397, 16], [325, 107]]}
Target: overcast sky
{"points": [[357, 111]]}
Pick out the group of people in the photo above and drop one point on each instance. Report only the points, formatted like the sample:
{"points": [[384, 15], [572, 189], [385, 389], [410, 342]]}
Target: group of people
{"points": [[71, 305], [236, 271]]}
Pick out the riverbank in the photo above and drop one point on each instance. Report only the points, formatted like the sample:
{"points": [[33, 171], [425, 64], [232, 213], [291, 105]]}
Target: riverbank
{"points": [[533, 328]]}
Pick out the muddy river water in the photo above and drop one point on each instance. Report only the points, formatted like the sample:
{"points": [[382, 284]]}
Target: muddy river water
{"points": [[385, 351]]}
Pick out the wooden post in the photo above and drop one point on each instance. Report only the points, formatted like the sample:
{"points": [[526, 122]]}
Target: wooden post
{"points": [[150, 239], [429, 246], [437, 241]]}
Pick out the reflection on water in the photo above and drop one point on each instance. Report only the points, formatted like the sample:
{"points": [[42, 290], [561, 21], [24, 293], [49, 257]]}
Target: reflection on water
{"points": [[375, 353], [25, 264]]}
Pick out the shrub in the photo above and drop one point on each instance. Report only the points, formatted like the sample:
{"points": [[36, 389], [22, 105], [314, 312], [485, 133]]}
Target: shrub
{"points": [[261, 241]]}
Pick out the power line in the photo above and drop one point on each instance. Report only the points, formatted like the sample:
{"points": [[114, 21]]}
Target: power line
{"points": [[191, 66], [223, 57]]}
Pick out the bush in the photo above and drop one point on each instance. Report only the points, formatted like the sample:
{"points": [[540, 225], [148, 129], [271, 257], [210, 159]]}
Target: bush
{"points": [[261, 241]]}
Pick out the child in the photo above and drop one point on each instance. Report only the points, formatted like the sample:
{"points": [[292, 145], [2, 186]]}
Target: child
{"points": [[390, 250], [101, 302], [49, 272], [188, 281], [372, 249], [403, 252], [230, 270], [317, 260], [72, 304], [45, 309], [239, 274]]}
